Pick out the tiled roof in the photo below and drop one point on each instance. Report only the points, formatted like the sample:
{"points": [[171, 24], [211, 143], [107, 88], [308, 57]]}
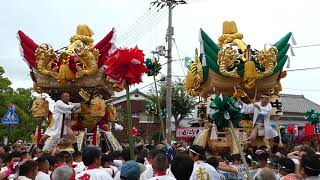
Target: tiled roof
{"points": [[297, 104], [122, 94]]}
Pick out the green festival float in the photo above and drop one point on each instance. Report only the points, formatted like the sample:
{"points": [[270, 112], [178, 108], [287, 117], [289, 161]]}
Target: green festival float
{"points": [[224, 72]]}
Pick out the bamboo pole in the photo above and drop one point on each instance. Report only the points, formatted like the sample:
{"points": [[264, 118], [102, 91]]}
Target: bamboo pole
{"points": [[235, 138], [129, 118], [159, 109]]}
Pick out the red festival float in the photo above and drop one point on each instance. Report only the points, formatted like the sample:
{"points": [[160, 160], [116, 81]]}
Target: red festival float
{"points": [[82, 69]]}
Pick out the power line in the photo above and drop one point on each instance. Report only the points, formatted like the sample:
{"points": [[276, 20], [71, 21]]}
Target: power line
{"points": [[140, 27], [305, 46], [135, 25], [175, 43], [137, 35], [303, 69], [302, 89]]}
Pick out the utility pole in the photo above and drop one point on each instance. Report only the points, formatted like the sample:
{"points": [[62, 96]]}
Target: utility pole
{"points": [[169, 80], [171, 4]]}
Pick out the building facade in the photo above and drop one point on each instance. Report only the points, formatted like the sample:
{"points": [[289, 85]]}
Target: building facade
{"points": [[148, 127], [294, 109]]}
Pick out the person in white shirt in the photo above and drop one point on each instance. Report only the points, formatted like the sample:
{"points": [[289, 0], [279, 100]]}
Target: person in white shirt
{"points": [[261, 119], [160, 166], [201, 170], [28, 170], [124, 156], [118, 159], [43, 169], [149, 172], [77, 163], [107, 164], [91, 158], [61, 125], [236, 170]]}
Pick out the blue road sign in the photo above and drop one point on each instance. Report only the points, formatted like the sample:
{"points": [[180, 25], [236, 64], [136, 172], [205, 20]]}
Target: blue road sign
{"points": [[10, 117]]}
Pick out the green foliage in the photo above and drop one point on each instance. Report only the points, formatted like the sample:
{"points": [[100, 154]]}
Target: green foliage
{"points": [[182, 103], [22, 99]]}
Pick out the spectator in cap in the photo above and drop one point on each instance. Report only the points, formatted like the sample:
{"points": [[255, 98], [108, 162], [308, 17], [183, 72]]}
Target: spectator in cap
{"points": [[131, 170], [91, 159], [125, 156], [201, 169]]}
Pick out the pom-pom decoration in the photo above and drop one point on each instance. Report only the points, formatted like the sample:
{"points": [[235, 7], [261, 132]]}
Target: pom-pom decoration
{"points": [[290, 129], [151, 109], [226, 108], [126, 66], [309, 130], [313, 117], [134, 131], [153, 66]]}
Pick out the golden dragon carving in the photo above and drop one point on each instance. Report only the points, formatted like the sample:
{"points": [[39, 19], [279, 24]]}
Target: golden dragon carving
{"points": [[46, 61]]}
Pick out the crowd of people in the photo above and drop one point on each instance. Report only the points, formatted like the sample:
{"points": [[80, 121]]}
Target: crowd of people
{"points": [[158, 162]]}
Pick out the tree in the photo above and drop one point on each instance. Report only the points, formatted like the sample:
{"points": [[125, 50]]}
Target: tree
{"points": [[182, 103], [22, 99]]}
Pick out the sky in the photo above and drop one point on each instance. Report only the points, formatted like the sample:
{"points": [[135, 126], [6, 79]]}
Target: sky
{"points": [[261, 22]]}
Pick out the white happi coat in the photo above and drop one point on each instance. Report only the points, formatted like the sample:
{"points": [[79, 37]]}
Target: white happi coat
{"points": [[60, 108], [94, 174], [270, 132], [204, 171]]}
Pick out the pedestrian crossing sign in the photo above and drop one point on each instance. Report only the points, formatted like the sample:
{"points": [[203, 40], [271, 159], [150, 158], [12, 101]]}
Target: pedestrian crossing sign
{"points": [[10, 117]]}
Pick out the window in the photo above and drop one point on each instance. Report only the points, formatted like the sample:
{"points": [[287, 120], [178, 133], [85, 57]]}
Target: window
{"points": [[135, 114], [144, 118]]}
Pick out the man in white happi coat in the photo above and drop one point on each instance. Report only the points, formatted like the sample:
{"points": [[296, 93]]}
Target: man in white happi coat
{"points": [[91, 158], [201, 170], [61, 125], [261, 118]]}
